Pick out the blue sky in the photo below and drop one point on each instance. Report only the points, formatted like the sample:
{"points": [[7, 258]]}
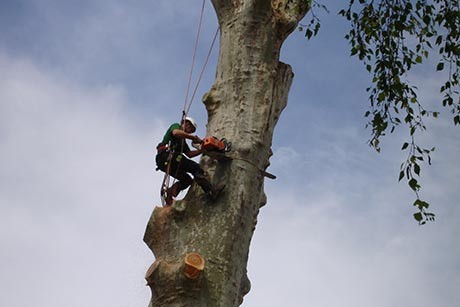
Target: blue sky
{"points": [[86, 91]]}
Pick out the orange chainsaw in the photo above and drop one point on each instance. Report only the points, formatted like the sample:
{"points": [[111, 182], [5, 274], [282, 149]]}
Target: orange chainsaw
{"points": [[211, 143]]}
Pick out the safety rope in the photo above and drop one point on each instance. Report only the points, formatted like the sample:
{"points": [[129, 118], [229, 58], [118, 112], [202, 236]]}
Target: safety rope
{"points": [[203, 69], [188, 103], [195, 48]]}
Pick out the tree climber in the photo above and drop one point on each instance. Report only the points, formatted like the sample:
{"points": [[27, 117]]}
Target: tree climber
{"points": [[172, 149]]}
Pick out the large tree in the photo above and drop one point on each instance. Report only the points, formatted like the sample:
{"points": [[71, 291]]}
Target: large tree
{"points": [[243, 105]]}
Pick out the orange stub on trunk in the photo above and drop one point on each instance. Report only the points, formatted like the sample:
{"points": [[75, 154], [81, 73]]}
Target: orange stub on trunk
{"points": [[194, 265]]}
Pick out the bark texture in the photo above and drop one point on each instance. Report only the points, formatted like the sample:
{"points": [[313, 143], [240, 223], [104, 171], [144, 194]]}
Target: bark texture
{"points": [[243, 105]]}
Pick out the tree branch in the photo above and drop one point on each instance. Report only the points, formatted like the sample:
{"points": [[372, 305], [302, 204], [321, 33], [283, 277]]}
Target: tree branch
{"points": [[288, 14], [223, 6]]}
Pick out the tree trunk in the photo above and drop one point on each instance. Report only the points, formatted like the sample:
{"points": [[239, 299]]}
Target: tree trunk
{"points": [[243, 105]]}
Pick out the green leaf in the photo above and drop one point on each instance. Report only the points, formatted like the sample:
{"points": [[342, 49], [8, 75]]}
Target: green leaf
{"points": [[457, 120], [413, 184], [426, 19], [417, 169], [401, 175], [439, 40], [405, 146], [424, 204], [418, 59], [429, 216], [418, 216], [440, 66]]}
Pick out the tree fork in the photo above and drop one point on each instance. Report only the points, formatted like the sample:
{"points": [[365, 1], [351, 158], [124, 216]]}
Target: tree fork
{"points": [[244, 104]]}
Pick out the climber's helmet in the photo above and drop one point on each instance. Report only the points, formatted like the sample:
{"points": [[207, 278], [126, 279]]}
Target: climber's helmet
{"points": [[192, 124]]}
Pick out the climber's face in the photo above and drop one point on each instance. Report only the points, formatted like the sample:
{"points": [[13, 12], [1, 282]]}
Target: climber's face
{"points": [[189, 127]]}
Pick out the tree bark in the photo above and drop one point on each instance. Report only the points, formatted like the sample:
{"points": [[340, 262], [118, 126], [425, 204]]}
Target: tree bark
{"points": [[243, 105]]}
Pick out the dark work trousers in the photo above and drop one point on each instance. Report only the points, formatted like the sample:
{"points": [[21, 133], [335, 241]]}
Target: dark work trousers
{"points": [[180, 169]]}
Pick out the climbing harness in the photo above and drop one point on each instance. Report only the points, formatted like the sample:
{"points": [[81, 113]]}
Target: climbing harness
{"points": [[187, 104]]}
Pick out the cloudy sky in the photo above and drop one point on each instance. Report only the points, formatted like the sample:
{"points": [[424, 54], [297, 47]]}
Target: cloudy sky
{"points": [[87, 89]]}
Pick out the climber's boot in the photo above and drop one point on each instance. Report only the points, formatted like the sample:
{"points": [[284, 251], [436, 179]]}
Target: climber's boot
{"points": [[171, 193]]}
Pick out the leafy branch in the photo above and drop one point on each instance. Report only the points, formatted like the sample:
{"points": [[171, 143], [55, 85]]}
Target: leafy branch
{"points": [[390, 37], [314, 24]]}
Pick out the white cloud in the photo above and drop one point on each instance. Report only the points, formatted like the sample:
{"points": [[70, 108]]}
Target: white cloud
{"points": [[317, 251], [77, 188]]}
